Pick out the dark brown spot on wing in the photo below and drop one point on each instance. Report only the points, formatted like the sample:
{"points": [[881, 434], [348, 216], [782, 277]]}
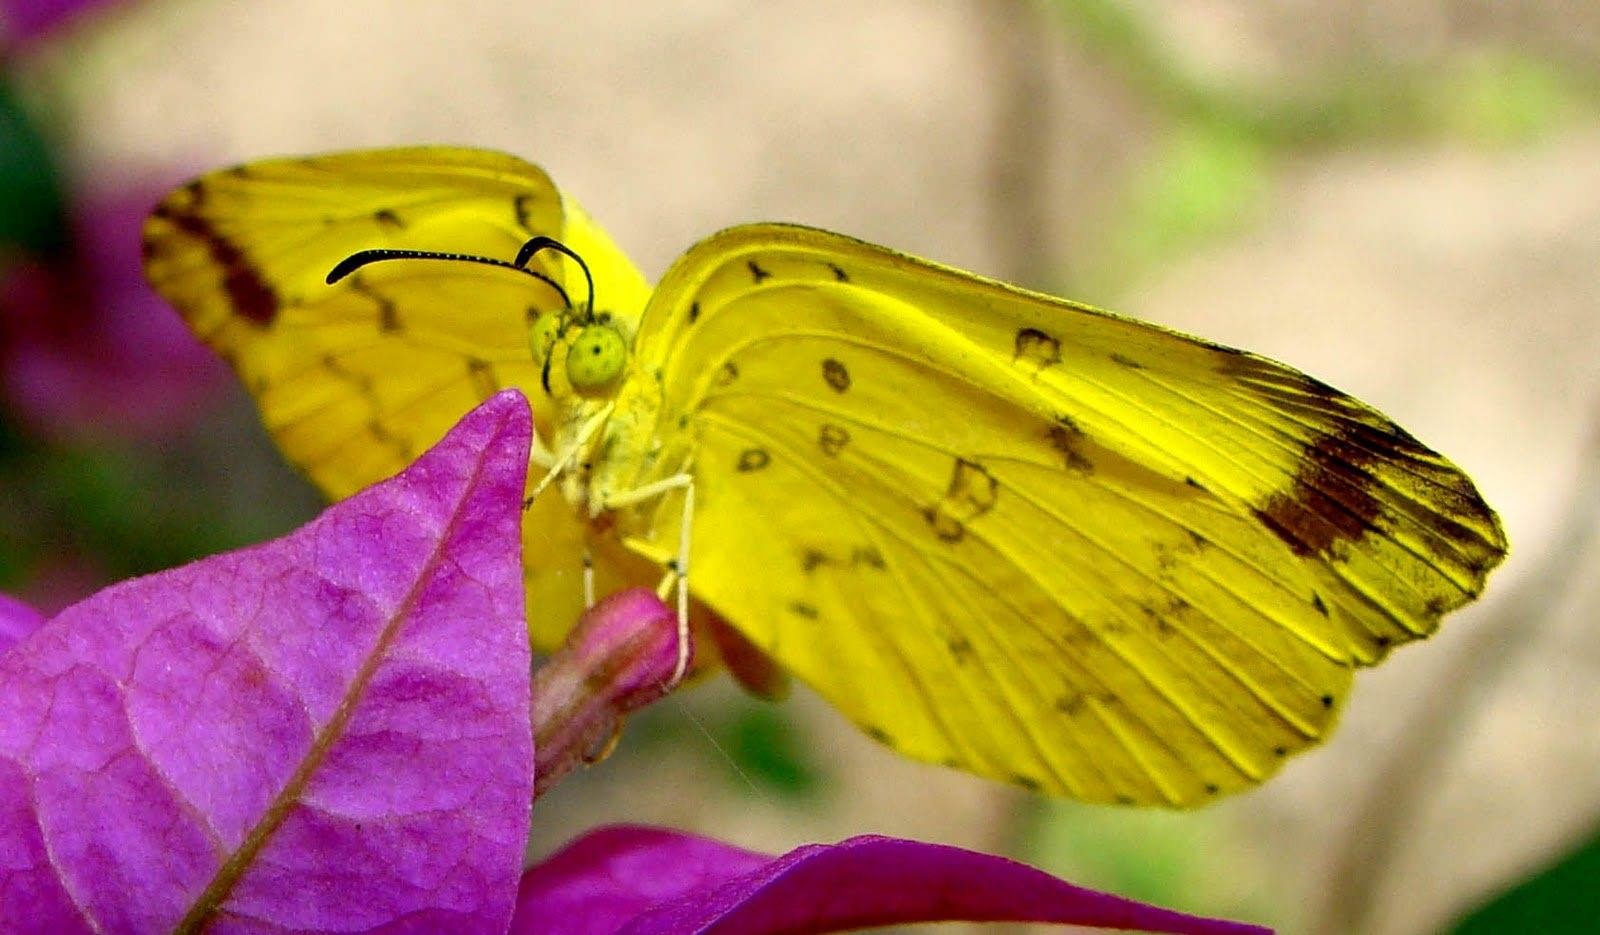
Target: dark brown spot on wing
{"points": [[868, 556], [757, 274], [832, 439], [388, 314], [248, 292], [973, 490], [945, 526], [753, 459], [523, 206], [835, 375], [971, 493], [1036, 348], [1066, 438], [481, 373], [960, 649], [383, 436]]}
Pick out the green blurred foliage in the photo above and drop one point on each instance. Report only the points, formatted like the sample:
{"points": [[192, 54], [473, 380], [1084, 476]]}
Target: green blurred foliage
{"points": [[1184, 860], [126, 511], [758, 746], [1562, 899], [33, 216], [1204, 184], [1489, 96], [1219, 145], [764, 745]]}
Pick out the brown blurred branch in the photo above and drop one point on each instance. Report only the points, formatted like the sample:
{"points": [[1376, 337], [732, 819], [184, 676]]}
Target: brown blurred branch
{"points": [[1379, 823], [1019, 40]]}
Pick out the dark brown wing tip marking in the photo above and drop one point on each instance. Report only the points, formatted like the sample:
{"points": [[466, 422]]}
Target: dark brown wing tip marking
{"points": [[1335, 498], [1330, 500]]}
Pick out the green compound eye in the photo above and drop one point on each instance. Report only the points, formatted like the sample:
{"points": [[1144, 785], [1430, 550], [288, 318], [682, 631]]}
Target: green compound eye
{"points": [[542, 334], [596, 358]]}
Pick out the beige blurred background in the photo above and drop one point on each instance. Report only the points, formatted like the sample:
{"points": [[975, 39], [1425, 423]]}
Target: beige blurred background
{"points": [[1402, 198]]}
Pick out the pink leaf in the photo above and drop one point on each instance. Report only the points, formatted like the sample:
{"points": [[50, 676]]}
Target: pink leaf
{"points": [[651, 881], [329, 732]]}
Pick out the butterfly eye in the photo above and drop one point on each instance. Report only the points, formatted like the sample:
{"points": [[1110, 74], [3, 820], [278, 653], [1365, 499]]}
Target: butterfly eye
{"points": [[542, 335], [596, 358]]}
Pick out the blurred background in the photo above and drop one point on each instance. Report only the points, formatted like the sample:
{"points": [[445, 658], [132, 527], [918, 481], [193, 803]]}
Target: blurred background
{"points": [[1400, 197]]}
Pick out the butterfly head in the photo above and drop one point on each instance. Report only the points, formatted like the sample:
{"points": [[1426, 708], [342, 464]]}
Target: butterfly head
{"points": [[585, 354]]}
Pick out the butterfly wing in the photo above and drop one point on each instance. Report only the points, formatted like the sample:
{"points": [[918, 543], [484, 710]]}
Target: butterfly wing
{"points": [[1033, 540], [355, 380]]}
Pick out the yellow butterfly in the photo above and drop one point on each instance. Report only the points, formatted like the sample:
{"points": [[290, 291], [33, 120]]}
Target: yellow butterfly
{"points": [[998, 530]]}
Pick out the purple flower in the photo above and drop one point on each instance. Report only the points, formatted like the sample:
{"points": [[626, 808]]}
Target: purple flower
{"points": [[650, 881], [87, 347], [620, 657], [331, 732], [25, 21], [17, 620]]}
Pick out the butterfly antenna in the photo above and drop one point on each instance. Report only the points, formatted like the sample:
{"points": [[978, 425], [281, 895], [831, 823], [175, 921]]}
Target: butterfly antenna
{"points": [[526, 254], [362, 258]]}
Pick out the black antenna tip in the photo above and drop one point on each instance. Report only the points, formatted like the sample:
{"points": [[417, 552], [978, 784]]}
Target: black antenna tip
{"points": [[347, 266], [533, 246]]}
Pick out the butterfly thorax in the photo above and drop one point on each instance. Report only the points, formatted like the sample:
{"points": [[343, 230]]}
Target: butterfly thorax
{"points": [[605, 429]]}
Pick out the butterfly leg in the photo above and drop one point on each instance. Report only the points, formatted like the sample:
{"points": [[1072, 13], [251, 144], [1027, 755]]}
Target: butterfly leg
{"points": [[559, 463], [588, 578], [539, 456], [678, 569]]}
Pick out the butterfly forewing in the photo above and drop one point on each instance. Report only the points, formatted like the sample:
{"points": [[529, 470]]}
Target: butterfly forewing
{"points": [[1064, 528], [356, 379]]}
